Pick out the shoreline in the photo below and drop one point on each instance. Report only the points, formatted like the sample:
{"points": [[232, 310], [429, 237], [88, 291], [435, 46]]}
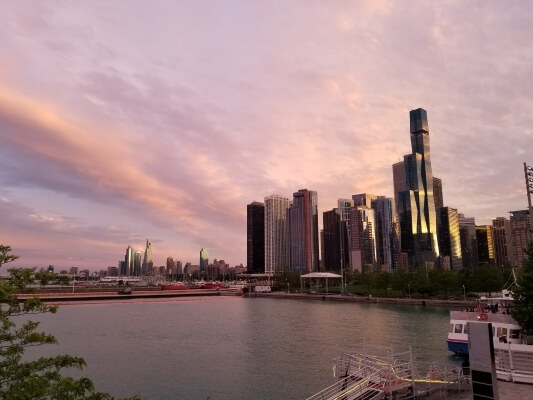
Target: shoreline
{"points": [[366, 299]]}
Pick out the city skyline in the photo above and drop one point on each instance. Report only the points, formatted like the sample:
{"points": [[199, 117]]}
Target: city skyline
{"points": [[121, 122]]}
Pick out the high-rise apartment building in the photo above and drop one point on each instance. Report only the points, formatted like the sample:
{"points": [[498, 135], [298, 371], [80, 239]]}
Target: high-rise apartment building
{"points": [[303, 227], [485, 244], [255, 237], [503, 246], [416, 204], [521, 234], [364, 199], [450, 238], [276, 234], [387, 234]]}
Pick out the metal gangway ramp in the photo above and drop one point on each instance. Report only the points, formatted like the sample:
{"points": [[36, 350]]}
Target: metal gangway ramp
{"points": [[391, 375], [352, 387]]}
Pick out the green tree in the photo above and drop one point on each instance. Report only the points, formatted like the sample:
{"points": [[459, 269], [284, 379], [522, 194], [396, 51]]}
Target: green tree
{"points": [[39, 379], [400, 280], [488, 278], [45, 277], [522, 310]]}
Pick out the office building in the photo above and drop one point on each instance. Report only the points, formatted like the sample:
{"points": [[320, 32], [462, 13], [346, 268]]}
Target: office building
{"points": [[128, 262], [416, 205], [204, 260], [255, 237], [467, 233], [485, 244], [303, 228], [503, 246], [148, 264], [137, 257], [276, 234], [521, 234], [450, 238], [387, 234], [363, 254], [336, 246]]}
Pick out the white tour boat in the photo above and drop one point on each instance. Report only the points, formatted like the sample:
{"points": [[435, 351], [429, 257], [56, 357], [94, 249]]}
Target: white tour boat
{"points": [[513, 352]]}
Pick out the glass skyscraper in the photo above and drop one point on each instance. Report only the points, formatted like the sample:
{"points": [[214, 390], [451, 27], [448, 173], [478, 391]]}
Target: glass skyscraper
{"points": [[416, 204], [255, 237]]}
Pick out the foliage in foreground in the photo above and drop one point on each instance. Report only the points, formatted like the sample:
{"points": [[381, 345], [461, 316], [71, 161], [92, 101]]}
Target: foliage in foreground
{"points": [[39, 379]]}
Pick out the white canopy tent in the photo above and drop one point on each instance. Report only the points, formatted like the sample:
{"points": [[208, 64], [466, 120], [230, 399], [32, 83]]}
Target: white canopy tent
{"points": [[319, 275]]}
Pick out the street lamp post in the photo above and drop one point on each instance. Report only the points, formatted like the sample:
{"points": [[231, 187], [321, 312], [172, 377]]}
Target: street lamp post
{"points": [[464, 292], [409, 286]]}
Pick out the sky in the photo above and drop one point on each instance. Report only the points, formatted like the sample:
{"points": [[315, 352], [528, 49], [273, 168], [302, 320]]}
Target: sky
{"points": [[127, 120]]}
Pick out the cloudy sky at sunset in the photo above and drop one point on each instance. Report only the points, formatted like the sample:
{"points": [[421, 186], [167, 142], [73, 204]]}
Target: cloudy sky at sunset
{"points": [[127, 120]]}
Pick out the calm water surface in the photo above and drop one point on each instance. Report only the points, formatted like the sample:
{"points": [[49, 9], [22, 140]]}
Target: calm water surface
{"points": [[232, 348]]}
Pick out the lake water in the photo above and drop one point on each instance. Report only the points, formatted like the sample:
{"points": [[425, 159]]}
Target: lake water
{"points": [[232, 347]]}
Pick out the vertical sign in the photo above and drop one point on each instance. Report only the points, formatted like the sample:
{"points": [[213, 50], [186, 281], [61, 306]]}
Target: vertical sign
{"points": [[482, 365]]}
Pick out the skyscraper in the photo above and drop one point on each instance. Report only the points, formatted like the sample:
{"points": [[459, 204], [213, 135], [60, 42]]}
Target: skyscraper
{"points": [[335, 246], [362, 238], [204, 260], [128, 262], [276, 234], [148, 264], [255, 237], [437, 193], [303, 225], [467, 233], [137, 263], [387, 233], [450, 238], [416, 206], [503, 246], [521, 234], [485, 245]]}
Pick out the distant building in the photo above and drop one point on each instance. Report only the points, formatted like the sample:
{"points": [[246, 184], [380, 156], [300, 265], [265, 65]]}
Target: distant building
{"points": [[364, 199], [503, 242], [148, 264], [303, 223], [485, 244], [128, 262], [335, 246], [255, 237], [112, 271], [521, 234], [469, 248], [73, 271], [416, 204], [171, 266], [276, 234], [450, 237], [437, 193], [387, 234], [362, 228], [137, 263], [204, 260]]}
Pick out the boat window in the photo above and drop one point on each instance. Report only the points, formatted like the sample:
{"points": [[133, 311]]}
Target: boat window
{"points": [[467, 328], [451, 328], [514, 333], [458, 328], [501, 332]]}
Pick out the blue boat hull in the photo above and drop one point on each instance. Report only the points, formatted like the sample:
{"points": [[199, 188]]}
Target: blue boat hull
{"points": [[459, 348]]}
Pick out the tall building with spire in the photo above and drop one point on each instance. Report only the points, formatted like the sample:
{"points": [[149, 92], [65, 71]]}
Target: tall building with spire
{"points": [[276, 234], [416, 204]]}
